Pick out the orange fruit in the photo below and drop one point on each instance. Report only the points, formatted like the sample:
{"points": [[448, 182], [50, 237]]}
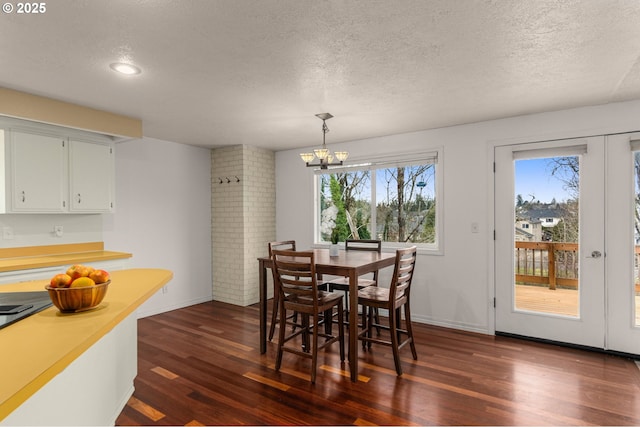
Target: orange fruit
{"points": [[82, 282]]}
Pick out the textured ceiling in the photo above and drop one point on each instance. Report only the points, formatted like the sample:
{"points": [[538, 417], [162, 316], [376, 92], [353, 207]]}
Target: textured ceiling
{"points": [[225, 72]]}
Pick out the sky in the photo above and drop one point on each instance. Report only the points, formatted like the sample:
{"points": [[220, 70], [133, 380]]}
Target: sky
{"points": [[427, 190], [533, 177]]}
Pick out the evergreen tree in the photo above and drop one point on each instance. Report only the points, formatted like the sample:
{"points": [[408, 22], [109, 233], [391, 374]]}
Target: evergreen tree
{"points": [[342, 227]]}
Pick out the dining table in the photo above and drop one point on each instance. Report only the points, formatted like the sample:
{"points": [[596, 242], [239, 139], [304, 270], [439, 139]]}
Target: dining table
{"points": [[351, 264]]}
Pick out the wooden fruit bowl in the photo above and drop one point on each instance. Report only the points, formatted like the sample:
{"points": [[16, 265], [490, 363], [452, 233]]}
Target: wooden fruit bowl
{"points": [[71, 300]]}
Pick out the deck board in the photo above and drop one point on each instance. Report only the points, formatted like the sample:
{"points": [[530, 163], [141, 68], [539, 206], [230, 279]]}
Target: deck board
{"points": [[558, 301]]}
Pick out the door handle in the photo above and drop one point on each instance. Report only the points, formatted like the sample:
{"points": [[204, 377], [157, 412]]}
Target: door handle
{"points": [[595, 254]]}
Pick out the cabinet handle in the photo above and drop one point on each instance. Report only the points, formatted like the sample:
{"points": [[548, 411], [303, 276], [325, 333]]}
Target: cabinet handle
{"points": [[79, 198], [23, 197]]}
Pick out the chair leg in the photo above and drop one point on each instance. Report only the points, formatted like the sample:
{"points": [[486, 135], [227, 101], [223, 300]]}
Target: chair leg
{"points": [[364, 325], [398, 321], [274, 315], [370, 324], [407, 319], [305, 333], [377, 317], [281, 333], [328, 321], [393, 324], [314, 350], [345, 306], [377, 314], [341, 330]]}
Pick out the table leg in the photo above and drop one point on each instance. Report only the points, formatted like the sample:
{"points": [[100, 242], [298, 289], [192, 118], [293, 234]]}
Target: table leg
{"points": [[353, 325], [263, 306]]}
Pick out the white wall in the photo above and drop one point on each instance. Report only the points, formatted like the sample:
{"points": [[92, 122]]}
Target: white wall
{"points": [[163, 217], [37, 229], [455, 289]]}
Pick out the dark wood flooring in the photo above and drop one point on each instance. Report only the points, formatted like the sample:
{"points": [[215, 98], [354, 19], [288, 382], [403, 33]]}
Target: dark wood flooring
{"points": [[201, 366]]}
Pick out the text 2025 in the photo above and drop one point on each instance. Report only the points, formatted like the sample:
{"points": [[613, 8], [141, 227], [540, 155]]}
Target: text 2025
{"points": [[31, 8]]}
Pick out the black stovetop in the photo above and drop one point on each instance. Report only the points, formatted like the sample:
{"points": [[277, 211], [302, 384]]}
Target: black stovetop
{"points": [[15, 306]]}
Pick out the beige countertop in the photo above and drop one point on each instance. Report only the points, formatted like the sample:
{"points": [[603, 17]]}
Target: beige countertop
{"points": [[26, 258], [45, 343]]}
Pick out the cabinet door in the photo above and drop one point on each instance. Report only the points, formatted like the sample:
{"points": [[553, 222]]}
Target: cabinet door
{"points": [[90, 176], [38, 178]]}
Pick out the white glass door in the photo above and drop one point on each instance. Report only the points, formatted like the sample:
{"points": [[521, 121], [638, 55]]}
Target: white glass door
{"points": [[623, 243], [549, 249]]}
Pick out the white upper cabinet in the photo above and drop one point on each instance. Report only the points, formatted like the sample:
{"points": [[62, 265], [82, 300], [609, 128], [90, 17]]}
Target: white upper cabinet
{"points": [[90, 176], [54, 172], [38, 173]]}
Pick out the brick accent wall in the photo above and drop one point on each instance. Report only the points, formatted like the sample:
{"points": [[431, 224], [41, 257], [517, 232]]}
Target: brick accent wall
{"points": [[242, 220]]}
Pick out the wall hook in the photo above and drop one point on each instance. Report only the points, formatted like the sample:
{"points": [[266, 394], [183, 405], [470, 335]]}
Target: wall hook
{"points": [[220, 180], [228, 180], [237, 179]]}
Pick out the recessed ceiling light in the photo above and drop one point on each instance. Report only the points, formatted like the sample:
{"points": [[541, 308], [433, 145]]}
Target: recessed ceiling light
{"points": [[124, 68]]}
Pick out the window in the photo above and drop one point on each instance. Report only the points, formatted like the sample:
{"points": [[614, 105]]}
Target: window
{"points": [[391, 200]]}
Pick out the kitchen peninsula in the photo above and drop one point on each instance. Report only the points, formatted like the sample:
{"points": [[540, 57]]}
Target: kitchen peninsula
{"points": [[74, 369]]}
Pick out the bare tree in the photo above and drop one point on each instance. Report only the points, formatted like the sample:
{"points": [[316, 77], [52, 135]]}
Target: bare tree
{"points": [[405, 180], [352, 185], [567, 170]]}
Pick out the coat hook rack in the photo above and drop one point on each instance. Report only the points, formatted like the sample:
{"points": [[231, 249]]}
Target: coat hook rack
{"points": [[220, 180]]}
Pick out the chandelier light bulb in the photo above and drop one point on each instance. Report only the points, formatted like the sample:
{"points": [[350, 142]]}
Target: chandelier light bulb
{"points": [[341, 155], [307, 157], [321, 153]]}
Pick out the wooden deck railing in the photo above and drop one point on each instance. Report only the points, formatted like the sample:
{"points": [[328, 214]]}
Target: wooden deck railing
{"points": [[554, 264], [549, 263]]}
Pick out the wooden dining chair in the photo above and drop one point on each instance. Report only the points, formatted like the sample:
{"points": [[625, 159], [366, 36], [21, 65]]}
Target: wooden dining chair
{"points": [[342, 283], [392, 299], [281, 245], [297, 285]]}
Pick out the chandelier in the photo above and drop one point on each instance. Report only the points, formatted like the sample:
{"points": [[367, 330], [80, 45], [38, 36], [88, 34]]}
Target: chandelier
{"points": [[324, 156]]}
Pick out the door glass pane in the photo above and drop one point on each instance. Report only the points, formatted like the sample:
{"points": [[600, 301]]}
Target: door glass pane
{"points": [[636, 164], [547, 235]]}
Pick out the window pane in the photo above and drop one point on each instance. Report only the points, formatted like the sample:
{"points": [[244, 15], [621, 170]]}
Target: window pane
{"points": [[636, 239], [345, 206], [406, 204]]}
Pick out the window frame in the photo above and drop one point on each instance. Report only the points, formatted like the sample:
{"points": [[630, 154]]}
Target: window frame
{"points": [[434, 156]]}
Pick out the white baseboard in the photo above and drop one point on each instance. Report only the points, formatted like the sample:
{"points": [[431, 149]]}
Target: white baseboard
{"points": [[481, 329], [171, 307]]}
